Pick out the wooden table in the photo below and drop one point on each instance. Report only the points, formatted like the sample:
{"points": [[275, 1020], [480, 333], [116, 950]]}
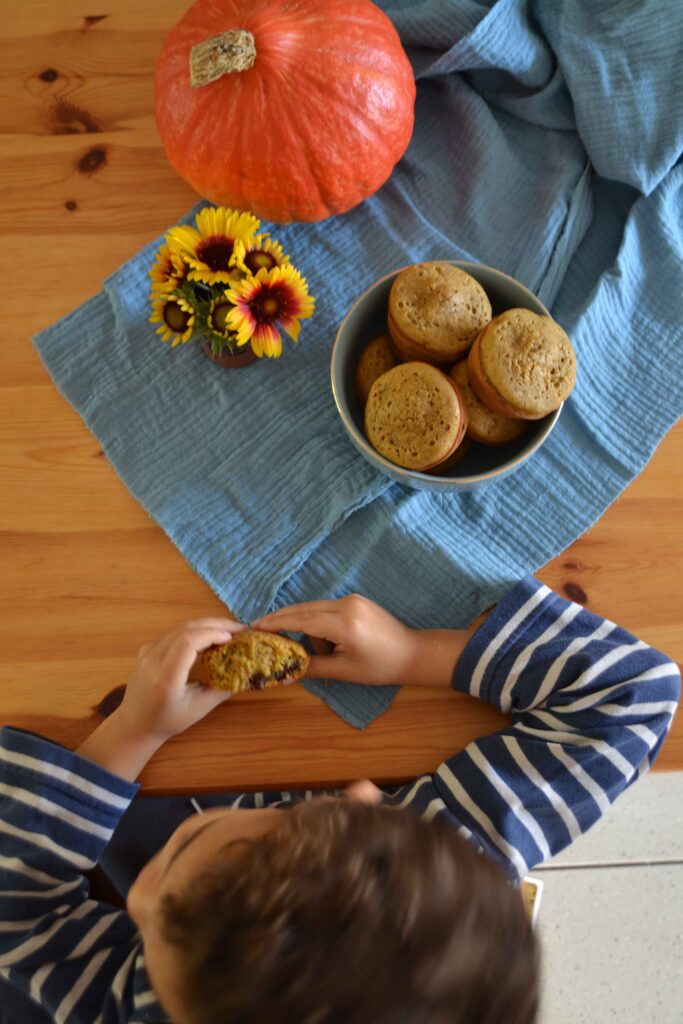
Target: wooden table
{"points": [[87, 577]]}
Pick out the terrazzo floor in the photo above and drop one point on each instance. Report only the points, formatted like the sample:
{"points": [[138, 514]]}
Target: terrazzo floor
{"points": [[611, 916]]}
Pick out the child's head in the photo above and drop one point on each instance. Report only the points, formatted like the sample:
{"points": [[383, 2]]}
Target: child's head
{"points": [[334, 912]]}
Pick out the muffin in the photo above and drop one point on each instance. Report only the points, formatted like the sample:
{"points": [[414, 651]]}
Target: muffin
{"points": [[253, 660], [522, 365], [376, 358], [458, 455], [484, 426], [435, 312], [414, 417]]}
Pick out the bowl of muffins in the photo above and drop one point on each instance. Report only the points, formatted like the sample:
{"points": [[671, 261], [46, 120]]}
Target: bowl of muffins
{"points": [[449, 374]]}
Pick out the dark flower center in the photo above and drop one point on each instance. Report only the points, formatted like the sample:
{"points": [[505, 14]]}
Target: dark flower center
{"points": [[270, 303], [176, 317], [257, 259], [219, 315], [216, 253]]}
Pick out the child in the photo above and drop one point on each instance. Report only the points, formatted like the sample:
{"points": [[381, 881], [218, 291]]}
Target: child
{"points": [[346, 910]]}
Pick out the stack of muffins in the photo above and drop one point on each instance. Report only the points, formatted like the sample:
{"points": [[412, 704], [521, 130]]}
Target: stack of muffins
{"points": [[447, 373]]}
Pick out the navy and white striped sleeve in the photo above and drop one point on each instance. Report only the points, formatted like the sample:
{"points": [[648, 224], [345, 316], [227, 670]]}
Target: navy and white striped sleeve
{"points": [[591, 706], [79, 959]]}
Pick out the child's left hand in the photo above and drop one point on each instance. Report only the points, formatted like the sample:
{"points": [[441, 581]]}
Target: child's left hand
{"points": [[160, 701]]}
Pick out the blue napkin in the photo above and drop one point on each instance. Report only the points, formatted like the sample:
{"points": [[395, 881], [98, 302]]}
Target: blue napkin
{"points": [[546, 144]]}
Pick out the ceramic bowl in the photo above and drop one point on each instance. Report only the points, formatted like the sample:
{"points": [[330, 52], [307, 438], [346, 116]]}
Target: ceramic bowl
{"points": [[367, 318]]}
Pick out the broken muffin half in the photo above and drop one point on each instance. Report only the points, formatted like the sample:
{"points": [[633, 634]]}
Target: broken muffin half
{"points": [[253, 660]]}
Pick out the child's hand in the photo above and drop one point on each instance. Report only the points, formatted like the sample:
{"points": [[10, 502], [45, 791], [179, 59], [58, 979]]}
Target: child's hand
{"points": [[368, 645], [159, 702]]}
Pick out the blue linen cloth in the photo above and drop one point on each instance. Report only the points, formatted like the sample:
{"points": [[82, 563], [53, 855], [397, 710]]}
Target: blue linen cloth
{"points": [[547, 143]]}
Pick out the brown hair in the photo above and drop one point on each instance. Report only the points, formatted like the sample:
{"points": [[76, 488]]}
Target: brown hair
{"points": [[351, 914]]}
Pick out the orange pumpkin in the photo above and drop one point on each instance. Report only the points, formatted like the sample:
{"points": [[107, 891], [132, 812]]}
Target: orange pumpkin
{"points": [[295, 110]]}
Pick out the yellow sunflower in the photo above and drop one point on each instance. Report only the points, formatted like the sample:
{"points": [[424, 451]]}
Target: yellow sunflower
{"points": [[175, 316], [261, 303], [208, 247], [258, 252], [220, 307], [169, 270]]}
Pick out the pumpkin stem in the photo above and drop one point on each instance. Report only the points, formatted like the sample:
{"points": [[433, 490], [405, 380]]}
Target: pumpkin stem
{"points": [[221, 55]]}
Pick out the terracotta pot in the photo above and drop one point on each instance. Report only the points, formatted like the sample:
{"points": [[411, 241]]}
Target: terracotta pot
{"points": [[242, 358]]}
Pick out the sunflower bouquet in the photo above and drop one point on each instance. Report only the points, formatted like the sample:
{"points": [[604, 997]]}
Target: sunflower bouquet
{"points": [[226, 286]]}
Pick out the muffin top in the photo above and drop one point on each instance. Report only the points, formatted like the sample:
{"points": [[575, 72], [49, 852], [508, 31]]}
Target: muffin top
{"points": [[483, 424], [439, 306], [529, 360], [376, 358], [414, 416]]}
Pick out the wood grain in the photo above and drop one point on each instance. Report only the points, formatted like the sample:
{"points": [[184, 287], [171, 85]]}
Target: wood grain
{"points": [[87, 575]]}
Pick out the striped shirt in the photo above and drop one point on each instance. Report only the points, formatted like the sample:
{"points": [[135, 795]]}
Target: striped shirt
{"points": [[590, 708]]}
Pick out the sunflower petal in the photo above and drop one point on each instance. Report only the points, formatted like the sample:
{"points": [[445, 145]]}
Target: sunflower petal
{"points": [[267, 338], [183, 238], [291, 325]]}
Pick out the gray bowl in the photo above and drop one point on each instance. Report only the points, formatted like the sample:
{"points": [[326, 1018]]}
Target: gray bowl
{"points": [[368, 318]]}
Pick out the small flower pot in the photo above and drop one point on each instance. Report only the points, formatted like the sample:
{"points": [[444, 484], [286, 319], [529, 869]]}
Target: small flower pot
{"points": [[231, 360]]}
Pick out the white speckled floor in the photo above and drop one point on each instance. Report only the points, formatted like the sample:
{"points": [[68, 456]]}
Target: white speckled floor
{"points": [[611, 918]]}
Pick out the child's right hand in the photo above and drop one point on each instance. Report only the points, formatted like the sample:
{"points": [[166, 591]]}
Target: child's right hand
{"points": [[368, 644]]}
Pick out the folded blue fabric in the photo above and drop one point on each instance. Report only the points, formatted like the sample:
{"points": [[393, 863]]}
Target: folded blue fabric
{"points": [[547, 143]]}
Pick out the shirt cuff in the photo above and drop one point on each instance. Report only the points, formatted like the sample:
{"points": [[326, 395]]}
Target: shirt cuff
{"points": [[493, 627]]}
